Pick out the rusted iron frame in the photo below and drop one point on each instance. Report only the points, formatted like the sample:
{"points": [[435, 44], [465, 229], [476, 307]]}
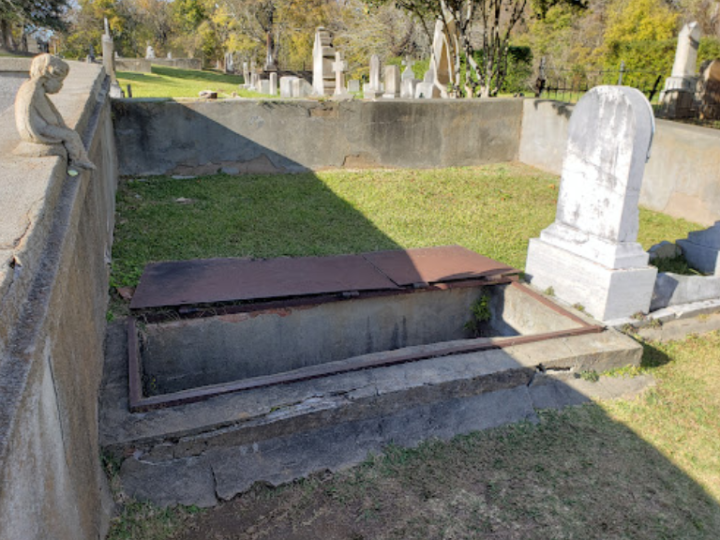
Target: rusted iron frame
{"points": [[138, 403], [188, 312]]}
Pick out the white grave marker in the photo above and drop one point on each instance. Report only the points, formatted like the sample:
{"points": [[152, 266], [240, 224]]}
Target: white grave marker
{"points": [[392, 82], [590, 254]]}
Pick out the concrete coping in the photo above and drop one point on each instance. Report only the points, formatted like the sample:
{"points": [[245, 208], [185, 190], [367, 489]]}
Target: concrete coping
{"points": [[15, 64], [30, 187]]}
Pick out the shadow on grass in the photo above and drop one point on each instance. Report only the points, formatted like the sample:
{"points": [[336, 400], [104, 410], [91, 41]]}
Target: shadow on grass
{"points": [[194, 74]]}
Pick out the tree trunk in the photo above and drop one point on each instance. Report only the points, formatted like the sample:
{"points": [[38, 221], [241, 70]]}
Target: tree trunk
{"points": [[6, 36]]}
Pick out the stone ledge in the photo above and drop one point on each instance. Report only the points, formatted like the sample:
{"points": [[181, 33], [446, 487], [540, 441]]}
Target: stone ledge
{"points": [[30, 187]]}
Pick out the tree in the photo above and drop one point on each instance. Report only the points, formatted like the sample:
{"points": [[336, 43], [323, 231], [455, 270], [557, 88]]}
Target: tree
{"points": [[485, 72], [26, 16]]}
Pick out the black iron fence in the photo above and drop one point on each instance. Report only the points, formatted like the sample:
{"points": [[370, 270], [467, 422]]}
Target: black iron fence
{"points": [[570, 85]]}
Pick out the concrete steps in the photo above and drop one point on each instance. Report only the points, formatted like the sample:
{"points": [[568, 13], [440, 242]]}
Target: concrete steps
{"points": [[204, 452]]}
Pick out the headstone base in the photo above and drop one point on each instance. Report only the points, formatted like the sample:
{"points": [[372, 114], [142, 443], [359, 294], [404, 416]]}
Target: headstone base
{"points": [[116, 91], [604, 293], [677, 100]]}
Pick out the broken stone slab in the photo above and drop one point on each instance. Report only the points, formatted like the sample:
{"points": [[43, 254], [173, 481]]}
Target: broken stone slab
{"points": [[207, 94], [676, 289], [702, 249]]}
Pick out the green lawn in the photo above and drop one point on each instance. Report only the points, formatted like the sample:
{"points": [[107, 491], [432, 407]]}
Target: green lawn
{"points": [[168, 82], [493, 210]]}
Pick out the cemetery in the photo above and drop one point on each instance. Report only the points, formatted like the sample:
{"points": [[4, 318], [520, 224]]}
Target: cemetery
{"points": [[259, 351]]}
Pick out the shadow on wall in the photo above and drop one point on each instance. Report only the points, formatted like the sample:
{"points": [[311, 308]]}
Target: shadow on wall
{"points": [[169, 137], [641, 473], [560, 107]]}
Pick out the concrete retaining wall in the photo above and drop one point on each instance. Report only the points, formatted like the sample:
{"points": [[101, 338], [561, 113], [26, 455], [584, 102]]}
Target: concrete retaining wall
{"points": [[180, 63], [682, 177], [55, 237], [133, 64], [192, 137]]}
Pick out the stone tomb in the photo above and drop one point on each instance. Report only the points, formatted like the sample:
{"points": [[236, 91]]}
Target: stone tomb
{"points": [[590, 255]]}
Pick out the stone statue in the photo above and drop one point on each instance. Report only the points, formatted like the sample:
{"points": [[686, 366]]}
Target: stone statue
{"points": [[40, 125], [149, 53]]}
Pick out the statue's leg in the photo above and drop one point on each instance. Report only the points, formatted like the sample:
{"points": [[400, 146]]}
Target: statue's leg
{"points": [[71, 140]]}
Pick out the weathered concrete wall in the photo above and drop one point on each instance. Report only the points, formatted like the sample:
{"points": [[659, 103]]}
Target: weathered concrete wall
{"points": [[133, 64], [180, 63], [55, 237], [193, 137], [682, 177]]}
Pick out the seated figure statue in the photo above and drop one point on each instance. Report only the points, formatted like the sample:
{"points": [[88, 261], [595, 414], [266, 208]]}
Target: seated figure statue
{"points": [[40, 125]]}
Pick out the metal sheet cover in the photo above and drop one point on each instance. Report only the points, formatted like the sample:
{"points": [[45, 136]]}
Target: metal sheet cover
{"points": [[223, 280], [435, 265], [209, 281]]}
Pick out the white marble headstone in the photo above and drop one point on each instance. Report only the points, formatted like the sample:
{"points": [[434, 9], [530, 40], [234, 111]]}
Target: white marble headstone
{"points": [[609, 138], [392, 82], [590, 254]]}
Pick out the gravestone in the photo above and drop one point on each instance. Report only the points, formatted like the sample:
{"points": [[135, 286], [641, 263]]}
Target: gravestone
{"points": [[678, 97], [108, 48], [373, 91], [91, 55], [229, 63], [286, 86], [710, 92], [149, 53], [408, 82], [255, 82], [323, 58], [246, 75], [353, 86], [264, 86], [301, 88], [701, 249], [427, 89], [273, 84], [590, 255], [339, 67], [392, 82], [169, 55]]}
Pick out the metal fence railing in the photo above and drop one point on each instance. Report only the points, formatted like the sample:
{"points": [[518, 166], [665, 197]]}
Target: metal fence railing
{"points": [[570, 85]]}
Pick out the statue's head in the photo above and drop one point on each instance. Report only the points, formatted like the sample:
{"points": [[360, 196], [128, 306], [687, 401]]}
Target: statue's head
{"points": [[51, 70]]}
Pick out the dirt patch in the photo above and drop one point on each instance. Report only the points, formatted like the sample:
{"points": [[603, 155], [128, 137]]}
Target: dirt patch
{"points": [[577, 474]]}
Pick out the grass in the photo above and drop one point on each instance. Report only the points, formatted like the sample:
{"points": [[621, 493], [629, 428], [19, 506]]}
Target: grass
{"points": [[168, 82], [493, 210], [646, 468]]}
